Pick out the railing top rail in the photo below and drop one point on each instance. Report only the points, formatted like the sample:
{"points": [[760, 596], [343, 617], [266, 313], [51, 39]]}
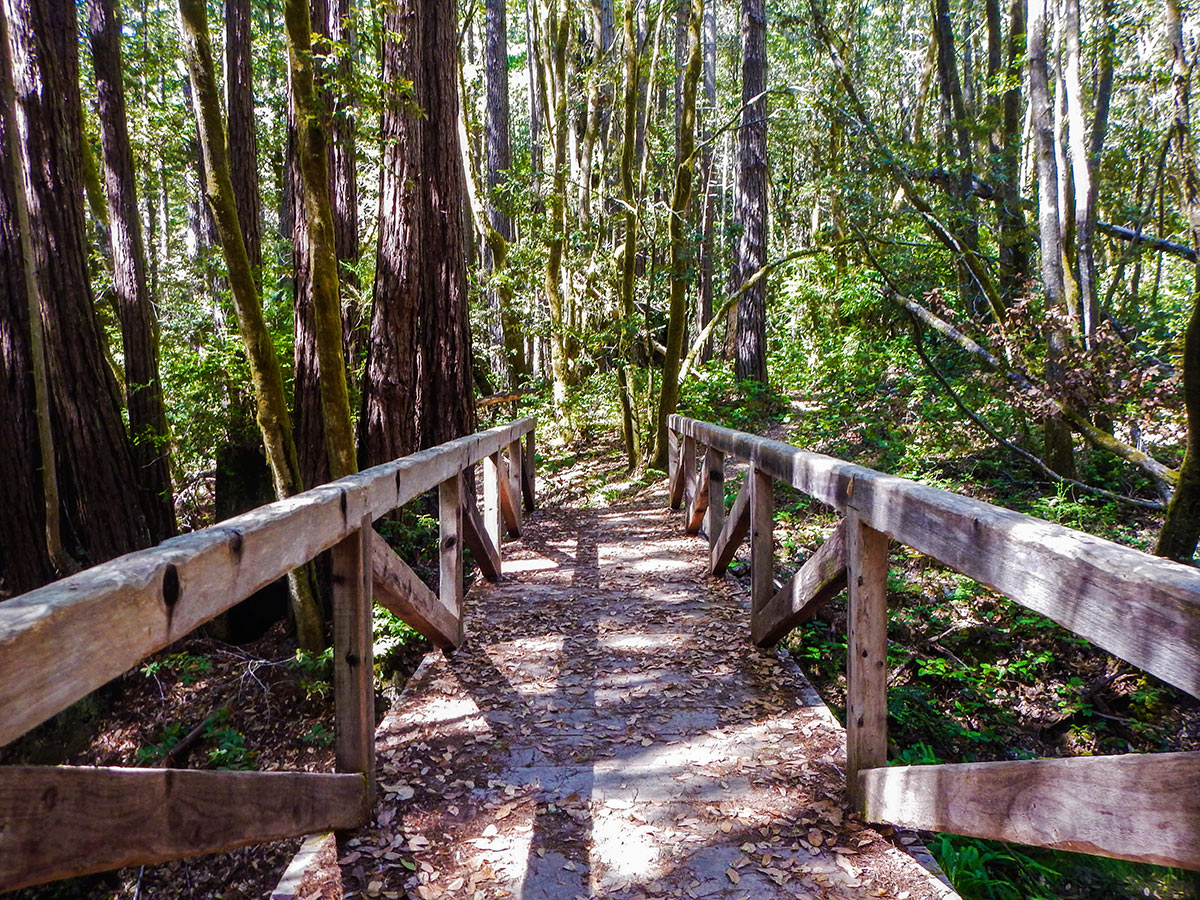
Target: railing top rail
{"points": [[105, 619], [1139, 607]]}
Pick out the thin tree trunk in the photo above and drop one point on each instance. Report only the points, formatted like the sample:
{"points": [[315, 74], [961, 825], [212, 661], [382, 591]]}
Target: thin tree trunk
{"points": [[685, 142], [139, 326], [1013, 235], [1058, 452], [750, 197], [272, 413], [317, 212], [1083, 178], [704, 303]]}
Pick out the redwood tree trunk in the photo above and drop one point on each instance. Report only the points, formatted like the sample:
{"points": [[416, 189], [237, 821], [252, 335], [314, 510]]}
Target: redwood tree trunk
{"points": [[97, 477], [24, 561], [243, 134], [447, 408], [750, 198], [418, 381], [139, 326]]}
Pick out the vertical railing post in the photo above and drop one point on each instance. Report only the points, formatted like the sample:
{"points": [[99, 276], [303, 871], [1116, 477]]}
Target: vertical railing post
{"points": [[528, 474], [493, 519], [714, 516], [450, 553], [672, 455], [353, 664], [514, 484], [762, 537], [866, 652]]}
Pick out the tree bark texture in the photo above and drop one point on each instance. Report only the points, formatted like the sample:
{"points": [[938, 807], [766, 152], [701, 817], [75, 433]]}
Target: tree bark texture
{"points": [[243, 133], [96, 473], [24, 558], [418, 389], [139, 325], [750, 198]]}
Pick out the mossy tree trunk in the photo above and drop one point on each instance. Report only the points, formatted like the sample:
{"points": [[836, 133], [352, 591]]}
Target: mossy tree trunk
{"points": [[681, 244], [1181, 528], [271, 402]]}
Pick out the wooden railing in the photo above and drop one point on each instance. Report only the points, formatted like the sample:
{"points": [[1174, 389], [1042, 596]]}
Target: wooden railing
{"points": [[1141, 608], [63, 641]]}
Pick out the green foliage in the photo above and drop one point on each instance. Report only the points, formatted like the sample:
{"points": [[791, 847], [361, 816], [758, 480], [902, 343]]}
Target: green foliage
{"points": [[315, 672], [225, 746], [318, 735], [187, 668]]}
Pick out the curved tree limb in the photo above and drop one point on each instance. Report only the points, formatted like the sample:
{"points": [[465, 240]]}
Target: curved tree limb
{"points": [[1035, 461]]}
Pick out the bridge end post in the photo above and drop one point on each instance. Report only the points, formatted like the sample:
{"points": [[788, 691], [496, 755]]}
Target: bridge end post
{"points": [[866, 653], [353, 663]]}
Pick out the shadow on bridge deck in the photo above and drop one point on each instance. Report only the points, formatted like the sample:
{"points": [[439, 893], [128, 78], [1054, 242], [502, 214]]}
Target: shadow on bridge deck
{"points": [[608, 730]]}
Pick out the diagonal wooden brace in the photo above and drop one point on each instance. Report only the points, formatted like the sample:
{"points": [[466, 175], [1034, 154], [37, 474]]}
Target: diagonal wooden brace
{"points": [[736, 526], [816, 583], [486, 556], [399, 590]]}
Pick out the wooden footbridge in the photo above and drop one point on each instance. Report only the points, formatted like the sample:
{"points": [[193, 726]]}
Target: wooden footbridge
{"points": [[606, 725]]}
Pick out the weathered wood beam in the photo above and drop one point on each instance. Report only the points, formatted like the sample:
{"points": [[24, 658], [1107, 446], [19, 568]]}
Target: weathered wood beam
{"points": [[682, 475], [528, 475], [817, 582], [734, 532], [450, 551], [353, 659], [61, 821], [697, 499], [762, 537], [493, 478], [1090, 586], [714, 516], [1141, 807], [484, 552], [109, 617], [510, 490], [400, 590], [866, 652]]}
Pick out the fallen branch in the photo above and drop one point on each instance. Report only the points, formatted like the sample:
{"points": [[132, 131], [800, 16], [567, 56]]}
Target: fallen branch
{"points": [[1166, 478], [1155, 243], [1036, 461]]}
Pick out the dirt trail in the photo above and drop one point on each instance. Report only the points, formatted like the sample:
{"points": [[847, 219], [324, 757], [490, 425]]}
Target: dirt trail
{"points": [[608, 730]]}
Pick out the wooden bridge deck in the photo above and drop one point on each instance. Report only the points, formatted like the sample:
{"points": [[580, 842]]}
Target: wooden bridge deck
{"points": [[608, 730]]}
